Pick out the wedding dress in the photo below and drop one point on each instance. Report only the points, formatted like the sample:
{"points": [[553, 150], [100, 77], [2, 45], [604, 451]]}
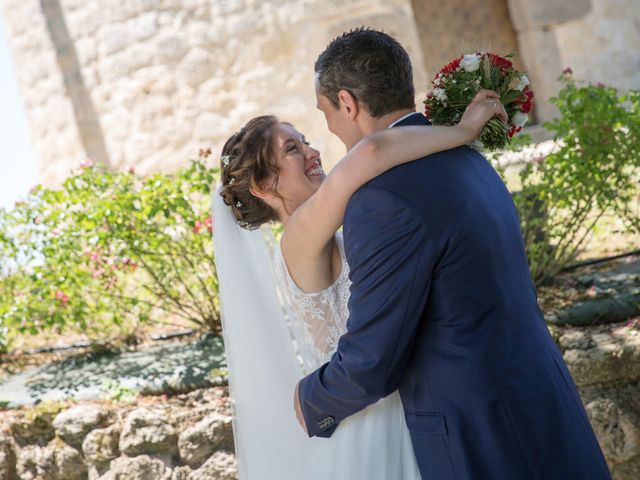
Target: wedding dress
{"points": [[274, 334], [373, 444]]}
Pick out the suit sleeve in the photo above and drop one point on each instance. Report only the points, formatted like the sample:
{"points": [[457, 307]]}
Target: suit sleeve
{"points": [[391, 256]]}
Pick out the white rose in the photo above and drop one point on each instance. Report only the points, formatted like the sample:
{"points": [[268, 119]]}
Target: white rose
{"points": [[470, 62], [519, 119], [524, 81], [440, 94]]}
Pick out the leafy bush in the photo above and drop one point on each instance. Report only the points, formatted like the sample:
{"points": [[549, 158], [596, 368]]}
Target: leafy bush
{"points": [[108, 251], [593, 171]]}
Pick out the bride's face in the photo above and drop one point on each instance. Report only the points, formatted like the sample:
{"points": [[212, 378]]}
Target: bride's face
{"points": [[299, 166]]}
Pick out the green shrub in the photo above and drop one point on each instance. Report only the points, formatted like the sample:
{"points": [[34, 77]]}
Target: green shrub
{"points": [[593, 171], [108, 251]]}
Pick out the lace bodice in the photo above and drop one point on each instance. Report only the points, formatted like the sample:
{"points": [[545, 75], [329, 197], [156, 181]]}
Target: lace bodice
{"points": [[317, 320]]}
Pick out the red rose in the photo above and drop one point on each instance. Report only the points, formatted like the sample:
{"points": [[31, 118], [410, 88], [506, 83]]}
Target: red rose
{"points": [[451, 67], [513, 130], [526, 100], [500, 62]]}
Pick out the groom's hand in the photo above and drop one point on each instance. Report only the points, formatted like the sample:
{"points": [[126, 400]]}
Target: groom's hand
{"points": [[298, 408]]}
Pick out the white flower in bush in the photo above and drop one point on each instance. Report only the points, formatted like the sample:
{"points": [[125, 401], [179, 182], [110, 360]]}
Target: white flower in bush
{"points": [[470, 62], [519, 119]]}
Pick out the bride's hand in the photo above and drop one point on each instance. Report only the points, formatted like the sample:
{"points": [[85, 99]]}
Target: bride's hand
{"points": [[484, 106]]}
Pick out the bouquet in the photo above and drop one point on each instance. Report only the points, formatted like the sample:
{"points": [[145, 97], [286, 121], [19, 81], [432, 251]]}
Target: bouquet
{"points": [[457, 83]]}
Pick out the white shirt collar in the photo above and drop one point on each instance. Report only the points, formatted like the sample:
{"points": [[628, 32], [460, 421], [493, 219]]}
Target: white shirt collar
{"points": [[401, 119]]}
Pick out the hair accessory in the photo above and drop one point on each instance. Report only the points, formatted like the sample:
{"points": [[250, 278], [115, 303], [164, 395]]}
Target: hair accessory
{"points": [[239, 204], [225, 160], [232, 181]]}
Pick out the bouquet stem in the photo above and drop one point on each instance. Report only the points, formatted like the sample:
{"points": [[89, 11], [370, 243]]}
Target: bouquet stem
{"points": [[495, 135]]}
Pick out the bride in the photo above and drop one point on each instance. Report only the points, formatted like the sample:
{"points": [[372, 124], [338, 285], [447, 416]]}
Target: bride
{"points": [[281, 323]]}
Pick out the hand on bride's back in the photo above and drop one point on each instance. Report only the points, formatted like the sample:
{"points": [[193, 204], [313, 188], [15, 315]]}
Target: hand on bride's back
{"points": [[484, 106]]}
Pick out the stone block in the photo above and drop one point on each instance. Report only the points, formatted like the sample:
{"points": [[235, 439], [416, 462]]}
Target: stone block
{"points": [[616, 426], [147, 431], [73, 424], [169, 47], [113, 38], [144, 26], [7, 459], [627, 471], [221, 466], [35, 427], [180, 473], [212, 433], [207, 125], [608, 358], [124, 63], [53, 462], [196, 67], [142, 467], [101, 445], [535, 14]]}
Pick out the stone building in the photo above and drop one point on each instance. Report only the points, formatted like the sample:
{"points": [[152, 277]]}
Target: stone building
{"points": [[148, 82]]}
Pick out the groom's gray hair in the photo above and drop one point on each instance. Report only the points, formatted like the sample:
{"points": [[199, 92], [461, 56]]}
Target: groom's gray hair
{"points": [[372, 66]]}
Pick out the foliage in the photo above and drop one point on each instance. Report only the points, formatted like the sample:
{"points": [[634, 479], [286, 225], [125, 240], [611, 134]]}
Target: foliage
{"points": [[108, 251], [593, 171], [117, 392], [42, 414], [219, 375]]}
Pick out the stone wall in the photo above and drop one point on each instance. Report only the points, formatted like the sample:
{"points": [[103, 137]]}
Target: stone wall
{"points": [[602, 45], [605, 365], [149, 82], [189, 437], [448, 29], [593, 37]]}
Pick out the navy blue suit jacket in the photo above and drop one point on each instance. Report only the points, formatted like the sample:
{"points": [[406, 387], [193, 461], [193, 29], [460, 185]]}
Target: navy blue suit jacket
{"points": [[443, 308]]}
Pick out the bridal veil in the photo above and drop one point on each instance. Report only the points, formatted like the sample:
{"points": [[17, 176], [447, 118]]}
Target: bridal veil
{"points": [[261, 359]]}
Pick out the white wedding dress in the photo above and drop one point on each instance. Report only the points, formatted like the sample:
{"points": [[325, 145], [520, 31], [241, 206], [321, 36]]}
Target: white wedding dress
{"points": [[373, 444]]}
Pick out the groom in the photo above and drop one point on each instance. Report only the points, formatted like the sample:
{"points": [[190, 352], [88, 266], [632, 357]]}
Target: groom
{"points": [[442, 304]]}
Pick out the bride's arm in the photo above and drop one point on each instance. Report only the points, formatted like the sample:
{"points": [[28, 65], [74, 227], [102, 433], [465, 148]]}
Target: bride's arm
{"points": [[313, 224]]}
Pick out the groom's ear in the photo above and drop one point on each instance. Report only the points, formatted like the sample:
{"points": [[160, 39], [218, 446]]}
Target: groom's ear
{"points": [[349, 103]]}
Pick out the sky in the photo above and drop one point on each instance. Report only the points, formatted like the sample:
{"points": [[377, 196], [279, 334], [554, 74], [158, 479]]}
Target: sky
{"points": [[17, 162]]}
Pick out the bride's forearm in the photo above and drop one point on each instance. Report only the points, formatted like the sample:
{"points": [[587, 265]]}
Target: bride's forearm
{"points": [[385, 149]]}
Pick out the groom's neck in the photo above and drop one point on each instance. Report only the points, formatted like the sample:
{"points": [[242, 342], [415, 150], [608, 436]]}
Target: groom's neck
{"points": [[380, 123]]}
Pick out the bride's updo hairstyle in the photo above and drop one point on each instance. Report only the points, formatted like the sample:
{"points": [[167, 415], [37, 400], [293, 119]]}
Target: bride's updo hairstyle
{"points": [[247, 162]]}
